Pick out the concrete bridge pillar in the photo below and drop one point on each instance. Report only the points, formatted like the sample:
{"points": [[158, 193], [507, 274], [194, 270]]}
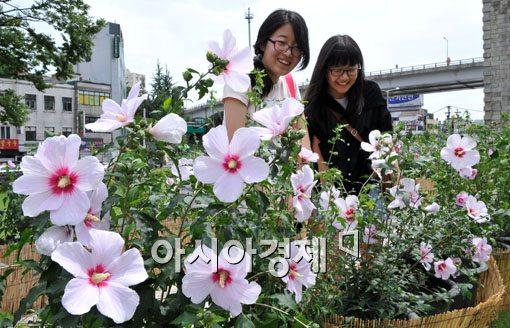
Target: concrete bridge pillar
{"points": [[496, 46]]}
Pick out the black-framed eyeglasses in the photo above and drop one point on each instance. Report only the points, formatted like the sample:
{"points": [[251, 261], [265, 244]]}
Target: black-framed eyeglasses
{"points": [[282, 47], [351, 71]]}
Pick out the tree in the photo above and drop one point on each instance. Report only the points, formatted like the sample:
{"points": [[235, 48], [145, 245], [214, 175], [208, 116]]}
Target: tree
{"points": [[164, 97], [13, 110], [28, 49]]}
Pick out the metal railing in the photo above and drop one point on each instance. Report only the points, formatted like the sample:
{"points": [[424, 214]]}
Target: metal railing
{"points": [[426, 66]]}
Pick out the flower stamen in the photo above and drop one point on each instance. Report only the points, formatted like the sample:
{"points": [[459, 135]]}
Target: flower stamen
{"points": [[63, 181]]}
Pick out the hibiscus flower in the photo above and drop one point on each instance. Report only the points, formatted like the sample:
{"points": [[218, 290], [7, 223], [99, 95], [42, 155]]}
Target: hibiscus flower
{"points": [[459, 152], [240, 63], [170, 129], [102, 276], [115, 116], [426, 256], [348, 208], [303, 183], [93, 218], [226, 284], [444, 269], [276, 119], [230, 165], [299, 274], [56, 180], [51, 238], [482, 250], [308, 156], [378, 145], [461, 199], [477, 210]]}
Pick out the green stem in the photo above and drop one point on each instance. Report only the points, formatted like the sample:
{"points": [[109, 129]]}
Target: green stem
{"points": [[283, 312]]}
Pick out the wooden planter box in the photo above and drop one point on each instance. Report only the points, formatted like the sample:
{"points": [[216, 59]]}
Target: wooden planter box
{"points": [[18, 284], [488, 299]]}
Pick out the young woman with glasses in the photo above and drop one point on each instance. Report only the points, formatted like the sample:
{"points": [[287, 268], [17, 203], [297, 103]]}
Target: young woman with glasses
{"points": [[339, 94], [282, 44]]}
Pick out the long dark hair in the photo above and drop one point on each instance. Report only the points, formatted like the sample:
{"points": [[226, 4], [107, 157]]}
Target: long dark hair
{"points": [[274, 21], [339, 50]]}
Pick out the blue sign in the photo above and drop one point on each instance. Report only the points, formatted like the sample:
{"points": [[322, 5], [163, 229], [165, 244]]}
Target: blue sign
{"points": [[415, 100]]}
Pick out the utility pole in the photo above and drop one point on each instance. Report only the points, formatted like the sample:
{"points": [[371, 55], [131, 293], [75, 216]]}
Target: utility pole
{"points": [[249, 16], [448, 112]]}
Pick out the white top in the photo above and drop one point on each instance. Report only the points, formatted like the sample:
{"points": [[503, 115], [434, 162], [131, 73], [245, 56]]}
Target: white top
{"points": [[278, 93], [342, 101]]}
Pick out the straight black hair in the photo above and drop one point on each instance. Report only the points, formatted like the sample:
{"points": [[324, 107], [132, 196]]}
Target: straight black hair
{"points": [[339, 50], [274, 21]]}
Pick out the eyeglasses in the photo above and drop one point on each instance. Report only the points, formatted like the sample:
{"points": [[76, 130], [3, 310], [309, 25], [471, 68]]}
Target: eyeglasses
{"points": [[337, 72], [282, 47]]}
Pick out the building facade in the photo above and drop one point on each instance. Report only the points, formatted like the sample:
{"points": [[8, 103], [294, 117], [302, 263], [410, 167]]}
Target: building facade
{"points": [[106, 65]]}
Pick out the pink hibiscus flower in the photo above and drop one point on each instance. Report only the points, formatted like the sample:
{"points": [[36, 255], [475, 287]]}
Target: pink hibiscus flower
{"points": [[226, 284], [240, 63], [115, 116], [101, 277], [56, 180], [348, 208], [303, 183], [461, 199], [92, 219], [230, 165], [459, 152], [426, 256], [445, 269], [300, 273], [482, 250], [276, 119]]}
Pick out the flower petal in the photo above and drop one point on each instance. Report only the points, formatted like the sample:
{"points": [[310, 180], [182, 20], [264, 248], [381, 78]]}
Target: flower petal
{"points": [[79, 296], [45, 201], [228, 187], [128, 269], [245, 142], [197, 285], [106, 246], [89, 173], [74, 208], [118, 302], [253, 169], [74, 259], [216, 142], [207, 169]]}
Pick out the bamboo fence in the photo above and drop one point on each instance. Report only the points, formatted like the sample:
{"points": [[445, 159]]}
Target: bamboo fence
{"points": [[19, 283], [488, 299], [502, 257]]}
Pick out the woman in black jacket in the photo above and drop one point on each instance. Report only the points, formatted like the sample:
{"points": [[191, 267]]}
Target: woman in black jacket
{"points": [[339, 94]]}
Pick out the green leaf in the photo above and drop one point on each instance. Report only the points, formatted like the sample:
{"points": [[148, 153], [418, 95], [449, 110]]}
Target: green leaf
{"points": [[244, 322]]}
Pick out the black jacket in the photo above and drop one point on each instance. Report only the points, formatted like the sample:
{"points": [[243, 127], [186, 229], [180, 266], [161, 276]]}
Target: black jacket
{"points": [[351, 159]]}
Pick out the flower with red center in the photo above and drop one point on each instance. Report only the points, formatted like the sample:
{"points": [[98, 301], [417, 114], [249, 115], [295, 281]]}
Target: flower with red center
{"points": [[405, 194], [328, 197], [303, 183], [115, 116], [347, 208], [101, 277], [227, 285], [56, 180], [276, 119], [308, 156], [482, 250], [461, 199], [300, 273], [468, 173], [459, 152], [445, 269], [378, 145], [477, 210], [93, 218], [240, 63], [230, 165], [426, 256]]}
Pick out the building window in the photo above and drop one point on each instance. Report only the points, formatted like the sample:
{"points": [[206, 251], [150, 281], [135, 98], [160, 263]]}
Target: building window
{"points": [[5, 132], [49, 131], [31, 101], [67, 104], [49, 103], [67, 131], [92, 98], [90, 119], [30, 133]]}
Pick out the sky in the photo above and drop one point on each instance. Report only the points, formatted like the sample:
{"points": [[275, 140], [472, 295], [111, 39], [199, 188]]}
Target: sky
{"points": [[389, 33]]}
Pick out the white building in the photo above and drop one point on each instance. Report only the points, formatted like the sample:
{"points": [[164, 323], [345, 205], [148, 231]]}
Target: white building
{"points": [[132, 78], [107, 64], [62, 109]]}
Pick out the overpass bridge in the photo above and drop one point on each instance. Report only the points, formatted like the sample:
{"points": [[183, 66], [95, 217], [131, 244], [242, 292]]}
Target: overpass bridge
{"points": [[431, 78], [425, 78]]}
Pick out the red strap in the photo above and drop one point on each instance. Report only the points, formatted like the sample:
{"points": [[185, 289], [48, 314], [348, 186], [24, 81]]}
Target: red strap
{"points": [[290, 85]]}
